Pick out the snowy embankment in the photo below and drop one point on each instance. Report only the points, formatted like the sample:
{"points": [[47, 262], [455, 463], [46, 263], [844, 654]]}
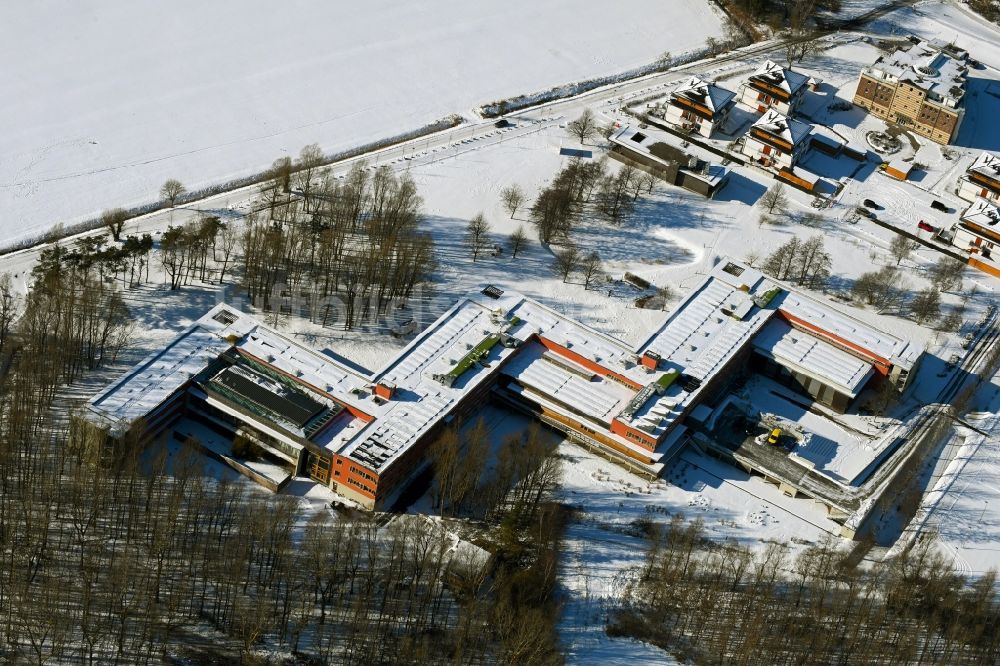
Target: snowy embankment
{"points": [[119, 97], [961, 507]]}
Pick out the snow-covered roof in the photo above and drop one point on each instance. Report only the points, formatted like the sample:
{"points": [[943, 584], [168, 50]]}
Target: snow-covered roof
{"points": [[655, 145], [777, 124], [594, 396], [707, 329], [159, 375], [987, 164], [811, 356], [900, 166], [937, 68], [307, 366], [644, 140], [780, 77], [867, 339], [705, 93], [982, 212]]}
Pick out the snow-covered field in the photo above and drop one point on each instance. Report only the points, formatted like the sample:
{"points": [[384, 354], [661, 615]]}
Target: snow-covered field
{"points": [[105, 101], [671, 240]]}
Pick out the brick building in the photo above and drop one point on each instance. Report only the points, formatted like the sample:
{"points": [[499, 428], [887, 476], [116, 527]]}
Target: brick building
{"points": [[921, 87]]}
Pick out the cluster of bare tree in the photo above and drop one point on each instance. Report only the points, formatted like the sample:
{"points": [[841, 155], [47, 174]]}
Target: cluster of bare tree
{"points": [[198, 250], [986, 8], [526, 471], [882, 289], [72, 320], [559, 205], [725, 604], [803, 262], [350, 247]]}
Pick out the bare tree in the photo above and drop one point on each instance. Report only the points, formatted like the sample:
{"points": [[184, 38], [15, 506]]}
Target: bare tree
{"points": [[9, 304], [171, 191], [566, 261], [281, 173], [591, 267], [584, 127], [798, 46], [946, 273], [901, 247], [512, 198], [926, 305], [647, 181], [775, 199], [517, 240], [230, 238], [114, 220], [476, 234], [882, 288]]}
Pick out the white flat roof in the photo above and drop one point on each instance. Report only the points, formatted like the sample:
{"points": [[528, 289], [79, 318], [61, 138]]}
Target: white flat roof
{"points": [[145, 386], [598, 398], [810, 355], [876, 342]]}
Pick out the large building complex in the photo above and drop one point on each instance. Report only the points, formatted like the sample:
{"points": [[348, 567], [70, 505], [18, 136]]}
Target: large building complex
{"points": [[920, 87], [229, 382]]}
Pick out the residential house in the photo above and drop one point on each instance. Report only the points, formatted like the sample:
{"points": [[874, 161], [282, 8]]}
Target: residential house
{"points": [[774, 87], [699, 106]]}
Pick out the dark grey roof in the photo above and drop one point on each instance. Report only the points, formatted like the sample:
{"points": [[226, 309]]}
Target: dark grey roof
{"points": [[270, 394]]}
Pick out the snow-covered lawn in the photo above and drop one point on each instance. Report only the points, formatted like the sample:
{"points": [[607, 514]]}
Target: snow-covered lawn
{"points": [[105, 101]]}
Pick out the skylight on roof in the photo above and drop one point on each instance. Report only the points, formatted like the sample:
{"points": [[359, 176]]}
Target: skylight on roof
{"points": [[225, 317], [733, 269]]}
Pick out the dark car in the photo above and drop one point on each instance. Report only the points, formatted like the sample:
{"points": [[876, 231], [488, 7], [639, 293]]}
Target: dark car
{"points": [[871, 204], [926, 226], [937, 205]]}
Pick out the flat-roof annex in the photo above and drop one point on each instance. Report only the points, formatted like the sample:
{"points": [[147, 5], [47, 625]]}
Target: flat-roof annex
{"points": [[813, 357]]}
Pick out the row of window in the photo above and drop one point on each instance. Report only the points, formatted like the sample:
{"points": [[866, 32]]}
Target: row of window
{"points": [[631, 435], [363, 474]]}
